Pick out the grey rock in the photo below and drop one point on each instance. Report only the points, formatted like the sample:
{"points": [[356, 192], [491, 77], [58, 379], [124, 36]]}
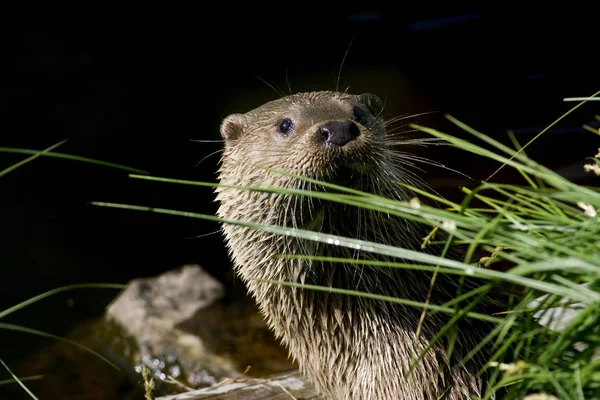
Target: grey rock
{"points": [[185, 329], [151, 307]]}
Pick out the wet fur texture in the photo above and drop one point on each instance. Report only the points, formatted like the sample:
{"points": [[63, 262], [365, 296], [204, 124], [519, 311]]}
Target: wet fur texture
{"points": [[350, 347]]}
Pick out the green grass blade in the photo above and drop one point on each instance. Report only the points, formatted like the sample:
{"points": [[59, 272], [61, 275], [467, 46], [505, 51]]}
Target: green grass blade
{"points": [[36, 332], [550, 177], [39, 297], [48, 153], [374, 263], [406, 302], [560, 264], [432, 196], [546, 129], [16, 378], [485, 138], [29, 159], [22, 379], [373, 247], [457, 315]]}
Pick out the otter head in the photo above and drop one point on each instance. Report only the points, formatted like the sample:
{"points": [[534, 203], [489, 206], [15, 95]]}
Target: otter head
{"points": [[333, 137], [321, 135]]}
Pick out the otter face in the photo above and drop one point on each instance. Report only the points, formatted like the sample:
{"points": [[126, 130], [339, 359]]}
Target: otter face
{"points": [[319, 135]]}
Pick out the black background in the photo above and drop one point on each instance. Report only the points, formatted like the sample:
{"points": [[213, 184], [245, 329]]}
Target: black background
{"points": [[137, 88]]}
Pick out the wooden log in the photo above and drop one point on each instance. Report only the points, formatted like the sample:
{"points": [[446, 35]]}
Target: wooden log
{"points": [[285, 386]]}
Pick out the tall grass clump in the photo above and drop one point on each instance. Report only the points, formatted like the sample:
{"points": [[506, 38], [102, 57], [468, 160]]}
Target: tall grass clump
{"points": [[545, 232], [33, 155]]}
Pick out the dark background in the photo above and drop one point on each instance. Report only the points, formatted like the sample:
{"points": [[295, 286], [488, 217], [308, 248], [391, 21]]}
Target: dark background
{"points": [[137, 89]]}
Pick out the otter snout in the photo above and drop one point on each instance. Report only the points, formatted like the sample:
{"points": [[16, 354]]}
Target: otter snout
{"points": [[337, 133]]}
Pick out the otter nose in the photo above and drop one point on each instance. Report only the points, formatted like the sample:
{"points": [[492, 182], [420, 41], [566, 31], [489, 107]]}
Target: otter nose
{"points": [[337, 133]]}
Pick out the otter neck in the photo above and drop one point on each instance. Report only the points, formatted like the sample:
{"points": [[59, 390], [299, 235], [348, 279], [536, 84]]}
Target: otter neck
{"points": [[333, 335]]}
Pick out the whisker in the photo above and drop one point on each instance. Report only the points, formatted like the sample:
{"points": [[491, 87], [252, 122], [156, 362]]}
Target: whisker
{"points": [[396, 132], [210, 155], [277, 90], [337, 85], [401, 158], [287, 80], [382, 108], [417, 141], [207, 140], [203, 235], [409, 116]]}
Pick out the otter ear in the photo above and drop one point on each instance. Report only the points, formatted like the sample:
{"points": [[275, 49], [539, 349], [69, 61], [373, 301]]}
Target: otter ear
{"points": [[233, 126], [372, 102]]}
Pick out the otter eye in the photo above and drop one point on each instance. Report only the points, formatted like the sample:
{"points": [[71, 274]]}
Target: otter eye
{"points": [[286, 126], [359, 115]]}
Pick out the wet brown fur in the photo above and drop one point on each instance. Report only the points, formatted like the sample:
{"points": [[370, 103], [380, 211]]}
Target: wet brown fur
{"points": [[350, 347]]}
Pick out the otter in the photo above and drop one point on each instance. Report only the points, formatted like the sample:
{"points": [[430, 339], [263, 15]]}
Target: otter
{"points": [[350, 347]]}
